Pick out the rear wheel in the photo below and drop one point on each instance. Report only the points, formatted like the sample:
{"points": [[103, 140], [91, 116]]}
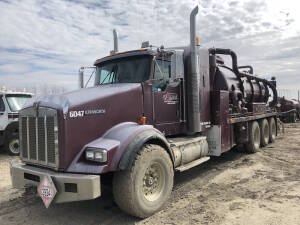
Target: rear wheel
{"points": [[253, 143], [294, 117], [12, 145], [272, 126], [143, 189], [264, 132]]}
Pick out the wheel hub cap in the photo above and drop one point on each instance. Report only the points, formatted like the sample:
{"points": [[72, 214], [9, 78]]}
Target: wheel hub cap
{"points": [[153, 182], [14, 146]]}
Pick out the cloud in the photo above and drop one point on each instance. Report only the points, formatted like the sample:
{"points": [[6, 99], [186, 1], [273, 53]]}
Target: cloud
{"points": [[47, 41]]}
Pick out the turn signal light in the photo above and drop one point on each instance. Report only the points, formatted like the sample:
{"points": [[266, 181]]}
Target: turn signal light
{"points": [[197, 40], [142, 120]]}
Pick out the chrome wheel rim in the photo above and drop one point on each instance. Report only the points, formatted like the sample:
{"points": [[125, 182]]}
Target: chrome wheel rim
{"points": [[14, 146], [153, 181]]}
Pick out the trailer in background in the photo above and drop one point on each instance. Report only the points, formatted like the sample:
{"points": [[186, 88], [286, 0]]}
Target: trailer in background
{"points": [[10, 105], [288, 110]]}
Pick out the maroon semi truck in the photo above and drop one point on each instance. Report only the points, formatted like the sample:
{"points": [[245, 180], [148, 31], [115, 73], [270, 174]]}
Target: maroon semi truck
{"points": [[151, 112]]}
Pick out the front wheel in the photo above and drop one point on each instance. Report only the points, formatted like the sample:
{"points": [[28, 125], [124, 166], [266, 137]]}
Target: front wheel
{"points": [[143, 189], [12, 145]]}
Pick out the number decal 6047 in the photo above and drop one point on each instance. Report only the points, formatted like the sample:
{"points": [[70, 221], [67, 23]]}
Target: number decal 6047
{"points": [[74, 114]]}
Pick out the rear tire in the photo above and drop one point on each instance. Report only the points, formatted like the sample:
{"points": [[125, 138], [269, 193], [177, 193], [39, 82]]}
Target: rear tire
{"points": [[264, 132], [12, 145], [143, 189], [253, 143], [272, 126], [294, 118]]}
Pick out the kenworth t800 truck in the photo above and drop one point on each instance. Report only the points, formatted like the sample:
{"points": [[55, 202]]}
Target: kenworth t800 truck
{"points": [[151, 112]]}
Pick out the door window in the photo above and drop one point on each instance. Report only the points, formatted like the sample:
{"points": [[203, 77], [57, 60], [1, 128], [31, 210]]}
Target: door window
{"points": [[2, 106], [161, 73]]}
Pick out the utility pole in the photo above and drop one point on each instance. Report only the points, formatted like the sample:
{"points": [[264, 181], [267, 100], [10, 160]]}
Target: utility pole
{"points": [[298, 95]]}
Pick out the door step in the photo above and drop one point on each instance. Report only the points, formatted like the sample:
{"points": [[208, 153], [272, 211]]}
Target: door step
{"points": [[192, 164]]}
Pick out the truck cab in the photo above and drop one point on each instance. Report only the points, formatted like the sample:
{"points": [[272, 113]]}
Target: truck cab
{"points": [[162, 87], [10, 105]]}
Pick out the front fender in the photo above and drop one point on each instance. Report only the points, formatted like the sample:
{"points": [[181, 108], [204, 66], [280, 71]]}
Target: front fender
{"points": [[150, 135], [122, 142]]}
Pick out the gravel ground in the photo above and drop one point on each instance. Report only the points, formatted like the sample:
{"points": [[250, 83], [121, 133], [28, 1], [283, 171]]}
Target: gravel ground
{"points": [[237, 188]]}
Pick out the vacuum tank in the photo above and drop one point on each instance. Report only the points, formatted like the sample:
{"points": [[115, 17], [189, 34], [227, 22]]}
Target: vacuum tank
{"points": [[247, 92]]}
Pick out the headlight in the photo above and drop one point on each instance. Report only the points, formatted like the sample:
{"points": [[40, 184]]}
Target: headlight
{"points": [[96, 154]]}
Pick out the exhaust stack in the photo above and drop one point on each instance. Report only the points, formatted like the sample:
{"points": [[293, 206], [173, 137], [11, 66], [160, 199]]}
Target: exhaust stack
{"points": [[193, 79], [116, 44]]}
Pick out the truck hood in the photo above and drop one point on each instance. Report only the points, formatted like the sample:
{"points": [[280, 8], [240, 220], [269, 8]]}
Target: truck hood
{"points": [[82, 96], [86, 114]]}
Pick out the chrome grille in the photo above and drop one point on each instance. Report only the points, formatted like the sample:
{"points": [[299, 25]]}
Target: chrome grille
{"points": [[50, 140], [32, 137], [23, 136], [39, 137], [41, 144]]}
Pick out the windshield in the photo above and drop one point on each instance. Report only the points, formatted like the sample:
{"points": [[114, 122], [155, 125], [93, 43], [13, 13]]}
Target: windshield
{"points": [[134, 69], [16, 102]]}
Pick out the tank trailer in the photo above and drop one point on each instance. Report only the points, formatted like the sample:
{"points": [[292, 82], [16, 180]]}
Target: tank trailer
{"points": [[151, 112], [288, 110]]}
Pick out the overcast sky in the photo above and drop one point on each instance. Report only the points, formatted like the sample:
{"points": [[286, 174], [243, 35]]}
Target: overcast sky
{"points": [[47, 41]]}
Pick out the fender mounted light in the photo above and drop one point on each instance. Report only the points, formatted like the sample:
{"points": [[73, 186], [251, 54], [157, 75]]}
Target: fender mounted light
{"points": [[142, 120]]}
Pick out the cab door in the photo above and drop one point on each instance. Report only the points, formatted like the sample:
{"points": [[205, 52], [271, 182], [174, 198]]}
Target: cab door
{"points": [[166, 98], [3, 114]]}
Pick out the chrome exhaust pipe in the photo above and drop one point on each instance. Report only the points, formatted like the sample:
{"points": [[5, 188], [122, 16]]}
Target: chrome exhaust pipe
{"points": [[116, 44], [193, 79]]}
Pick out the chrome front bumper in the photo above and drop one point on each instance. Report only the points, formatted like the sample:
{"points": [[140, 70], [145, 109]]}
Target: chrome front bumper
{"points": [[70, 187]]}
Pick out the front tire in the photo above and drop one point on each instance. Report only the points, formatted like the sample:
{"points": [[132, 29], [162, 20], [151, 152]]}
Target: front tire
{"points": [[253, 143], [12, 145], [143, 189]]}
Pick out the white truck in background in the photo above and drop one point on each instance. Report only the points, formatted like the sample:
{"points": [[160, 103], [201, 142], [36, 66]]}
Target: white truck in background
{"points": [[10, 104]]}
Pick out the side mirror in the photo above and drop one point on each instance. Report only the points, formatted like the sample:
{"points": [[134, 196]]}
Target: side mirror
{"points": [[177, 67], [80, 77]]}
